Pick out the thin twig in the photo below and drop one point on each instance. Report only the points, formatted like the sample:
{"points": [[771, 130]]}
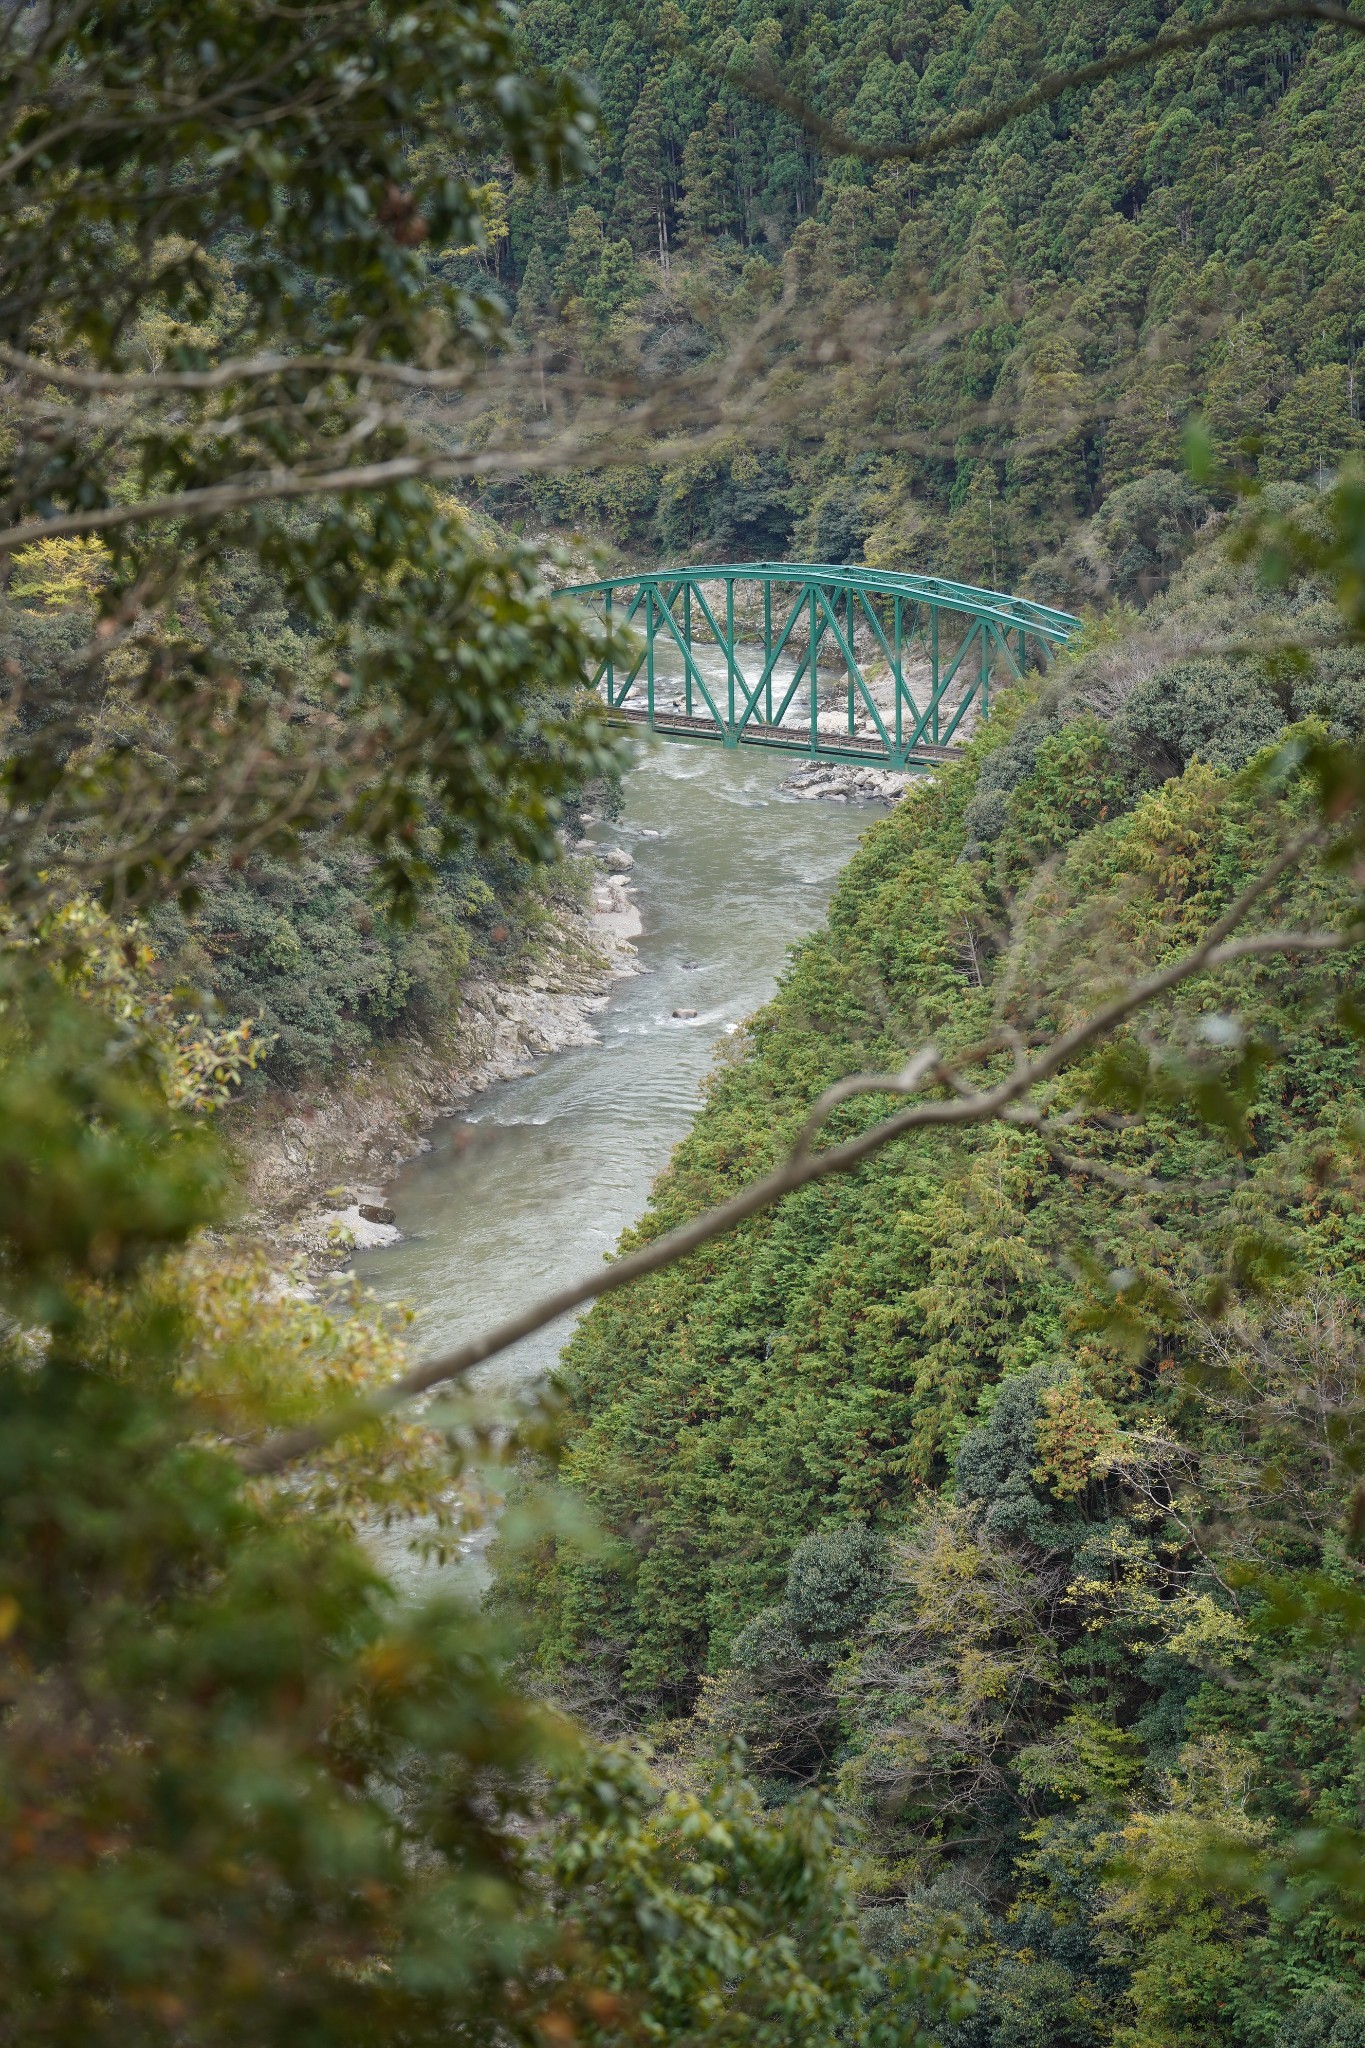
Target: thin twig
{"points": [[618, 442], [956, 134], [246, 370]]}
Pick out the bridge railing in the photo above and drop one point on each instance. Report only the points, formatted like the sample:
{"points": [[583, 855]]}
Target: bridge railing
{"points": [[807, 607]]}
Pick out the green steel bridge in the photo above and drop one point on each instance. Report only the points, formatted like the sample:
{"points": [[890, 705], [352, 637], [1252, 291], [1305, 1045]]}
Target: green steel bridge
{"points": [[914, 656]]}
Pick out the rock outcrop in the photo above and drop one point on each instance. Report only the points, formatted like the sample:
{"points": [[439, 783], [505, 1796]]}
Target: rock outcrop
{"points": [[844, 782]]}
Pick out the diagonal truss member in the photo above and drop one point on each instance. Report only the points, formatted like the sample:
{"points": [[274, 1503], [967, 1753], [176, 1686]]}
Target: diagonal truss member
{"points": [[905, 658]]}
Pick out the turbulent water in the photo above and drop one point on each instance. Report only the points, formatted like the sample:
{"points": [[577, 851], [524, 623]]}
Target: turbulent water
{"points": [[532, 1186]]}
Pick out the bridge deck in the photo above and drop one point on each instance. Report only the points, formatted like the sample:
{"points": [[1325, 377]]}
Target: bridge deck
{"points": [[788, 739]]}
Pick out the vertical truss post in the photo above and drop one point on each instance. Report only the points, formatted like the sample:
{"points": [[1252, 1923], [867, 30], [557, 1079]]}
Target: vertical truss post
{"points": [[1023, 651], [985, 672], [649, 649], [814, 690], [687, 636], [848, 635], [768, 642], [611, 665], [730, 650], [933, 673], [896, 678]]}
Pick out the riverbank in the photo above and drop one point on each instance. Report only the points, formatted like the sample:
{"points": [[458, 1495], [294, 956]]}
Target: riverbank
{"points": [[534, 1182], [312, 1160], [315, 1163]]}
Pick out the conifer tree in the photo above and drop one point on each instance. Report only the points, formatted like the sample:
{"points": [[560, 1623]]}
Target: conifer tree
{"points": [[614, 284], [582, 253], [1312, 428], [642, 198], [709, 203], [979, 533], [535, 295]]}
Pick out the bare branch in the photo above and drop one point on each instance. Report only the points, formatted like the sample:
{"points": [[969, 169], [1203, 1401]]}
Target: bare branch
{"points": [[802, 1166], [248, 369], [280, 486], [836, 141], [633, 420], [623, 442], [925, 1066]]}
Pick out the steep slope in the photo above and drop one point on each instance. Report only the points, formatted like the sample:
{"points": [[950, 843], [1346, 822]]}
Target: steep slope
{"points": [[935, 1483], [1047, 308]]}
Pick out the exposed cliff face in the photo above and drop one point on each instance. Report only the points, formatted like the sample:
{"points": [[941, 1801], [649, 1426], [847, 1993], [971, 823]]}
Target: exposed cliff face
{"points": [[308, 1155]]}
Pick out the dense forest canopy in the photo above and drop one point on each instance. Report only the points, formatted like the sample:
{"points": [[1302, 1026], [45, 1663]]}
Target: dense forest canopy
{"points": [[977, 1535], [1051, 306], [1003, 1487], [994, 1490]]}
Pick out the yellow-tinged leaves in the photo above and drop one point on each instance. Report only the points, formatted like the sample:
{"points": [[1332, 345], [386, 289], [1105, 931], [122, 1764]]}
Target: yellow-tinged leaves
{"points": [[1079, 1439], [112, 965], [1199, 1628], [57, 573]]}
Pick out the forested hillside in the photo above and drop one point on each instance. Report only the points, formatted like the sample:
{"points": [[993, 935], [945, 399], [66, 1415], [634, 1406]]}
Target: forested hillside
{"points": [[1040, 316], [981, 1487], [306, 947], [1004, 1498], [1046, 309]]}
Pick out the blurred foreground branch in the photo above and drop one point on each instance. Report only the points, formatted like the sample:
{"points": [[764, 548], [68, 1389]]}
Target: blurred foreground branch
{"points": [[968, 128]]}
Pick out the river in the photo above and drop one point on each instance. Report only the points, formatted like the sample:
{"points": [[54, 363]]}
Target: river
{"points": [[539, 1178]]}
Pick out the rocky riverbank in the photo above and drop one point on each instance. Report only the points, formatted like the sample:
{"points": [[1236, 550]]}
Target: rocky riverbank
{"points": [[313, 1162]]}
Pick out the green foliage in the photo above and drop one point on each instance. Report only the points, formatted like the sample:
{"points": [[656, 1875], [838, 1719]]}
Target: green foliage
{"points": [[642, 199], [226, 670], [534, 298], [96, 1168], [700, 1908], [244, 1787], [295, 184], [710, 202], [327, 973], [1147, 528], [1326, 2019], [1094, 1712], [777, 1696], [614, 286], [247, 1791], [1046, 309], [265, 1744], [1041, 1562]]}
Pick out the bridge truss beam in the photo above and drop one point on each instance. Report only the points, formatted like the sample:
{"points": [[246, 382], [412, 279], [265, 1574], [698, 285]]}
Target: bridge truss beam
{"points": [[954, 639]]}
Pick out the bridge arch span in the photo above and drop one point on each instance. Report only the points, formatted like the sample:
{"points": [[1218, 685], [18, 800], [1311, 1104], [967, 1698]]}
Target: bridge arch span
{"points": [[732, 654]]}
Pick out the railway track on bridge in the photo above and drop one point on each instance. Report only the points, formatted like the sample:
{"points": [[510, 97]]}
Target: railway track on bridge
{"points": [[788, 739]]}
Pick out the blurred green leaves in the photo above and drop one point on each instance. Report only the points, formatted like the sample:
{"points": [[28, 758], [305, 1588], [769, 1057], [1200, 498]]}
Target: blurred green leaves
{"points": [[97, 1169], [248, 219]]}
